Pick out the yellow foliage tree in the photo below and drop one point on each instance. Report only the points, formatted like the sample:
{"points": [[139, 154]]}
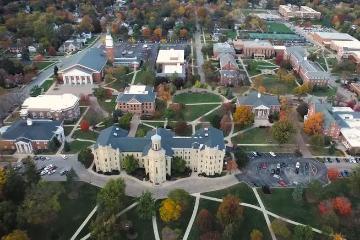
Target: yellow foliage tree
{"points": [[243, 115], [169, 210], [314, 124], [338, 236], [2, 178], [303, 89], [16, 235]]}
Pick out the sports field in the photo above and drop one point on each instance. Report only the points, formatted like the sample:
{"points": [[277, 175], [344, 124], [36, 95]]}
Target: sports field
{"points": [[274, 36], [274, 27]]}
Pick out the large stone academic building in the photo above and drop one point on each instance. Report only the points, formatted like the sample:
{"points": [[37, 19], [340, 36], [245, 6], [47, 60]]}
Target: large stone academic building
{"points": [[203, 152]]}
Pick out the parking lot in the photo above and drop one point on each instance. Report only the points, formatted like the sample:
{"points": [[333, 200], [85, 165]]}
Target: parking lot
{"points": [[282, 170]]}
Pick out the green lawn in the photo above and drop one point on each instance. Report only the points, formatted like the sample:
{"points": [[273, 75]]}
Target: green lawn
{"points": [[181, 223], [140, 129], [231, 34], [108, 106], [156, 124], [321, 151], [324, 92], [91, 135], [192, 112], [281, 202], [42, 65], [74, 209], [254, 66], [275, 27], [121, 82], [253, 219], [47, 84], [255, 136], [241, 190], [277, 149], [76, 146], [143, 228], [274, 85], [186, 98]]}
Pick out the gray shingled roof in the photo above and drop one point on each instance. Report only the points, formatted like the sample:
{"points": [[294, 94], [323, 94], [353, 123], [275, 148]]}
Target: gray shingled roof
{"points": [[253, 99], [150, 97], [223, 48], [211, 137], [93, 58], [39, 130], [226, 58]]}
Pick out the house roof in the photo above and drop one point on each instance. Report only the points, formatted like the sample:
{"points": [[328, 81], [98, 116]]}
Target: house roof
{"points": [[223, 48], [93, 59], [140, 93], [226, 58], [39, 130], [256, 99], [116, 137]]}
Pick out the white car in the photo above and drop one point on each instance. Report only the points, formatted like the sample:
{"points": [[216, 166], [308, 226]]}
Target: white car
{"points": [[278, 165], [51, 172], [43, 172], [64, 157], [297, 165], [272, 154], [276, 176]]}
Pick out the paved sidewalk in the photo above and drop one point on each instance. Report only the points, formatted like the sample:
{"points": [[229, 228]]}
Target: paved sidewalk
{"points": [[155, 228], [193, 216], [84, 223]]}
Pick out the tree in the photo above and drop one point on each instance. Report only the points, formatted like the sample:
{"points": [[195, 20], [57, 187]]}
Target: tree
{"points": [[333, 174], [178, 165], [86, 24], [31, 174], [215, 121], [256, 235], [7, 217], [215, 235], [338, 236], [16, 235], [243, 116], [354, 182], [303, 233], [67, 147], [181, 128], [181, 197], [298, 193], [2, 179], [105, 227], [56, 69], [314, 124], [41, 203], [231, 166], [282, 131], [225, 123], [146, 206], [125, 121], [303, 89], [229, 210], [241, 157], [314, 191], [130, 164], [205, 221], [169, 210], [86, 157], [84, 125], [169, 113], [279, 227], [342, 206], [111, 198], [302, 109], [14, 188], [229, 231]]}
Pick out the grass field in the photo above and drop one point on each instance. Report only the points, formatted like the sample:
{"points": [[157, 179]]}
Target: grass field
{"points": [[73, 212], [274, 27], [85, 135], [274, 36], [42, 65], [142, 227], [276, 148], [47, 84], [76, 146], [240, 190], [121, 82], [255, 136], [324, 92], [108, 106], [275, 86], [192, 112], [142, 128], [254, 66], [67, 130], [321, 151], [186, 98]]}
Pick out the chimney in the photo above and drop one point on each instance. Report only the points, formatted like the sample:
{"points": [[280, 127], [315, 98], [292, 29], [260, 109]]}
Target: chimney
{"points": [[29, 122], [259, 95]]}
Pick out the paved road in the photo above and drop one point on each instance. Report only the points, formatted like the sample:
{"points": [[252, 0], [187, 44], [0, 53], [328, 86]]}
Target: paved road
{"points": [[199, 55]]}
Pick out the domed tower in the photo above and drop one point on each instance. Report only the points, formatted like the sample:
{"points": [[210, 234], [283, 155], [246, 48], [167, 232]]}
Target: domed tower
{"points": [[157, 161], [109, 45]]}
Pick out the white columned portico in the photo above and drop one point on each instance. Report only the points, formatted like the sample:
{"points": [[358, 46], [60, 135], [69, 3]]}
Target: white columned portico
{"points": [[24, 147]]}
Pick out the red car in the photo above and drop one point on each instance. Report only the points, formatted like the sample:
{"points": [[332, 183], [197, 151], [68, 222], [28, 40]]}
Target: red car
{"points": [[282, 183], [264, 165]]}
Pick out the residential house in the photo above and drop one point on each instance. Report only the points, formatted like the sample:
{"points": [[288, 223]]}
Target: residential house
{"points": [[71, 45]]}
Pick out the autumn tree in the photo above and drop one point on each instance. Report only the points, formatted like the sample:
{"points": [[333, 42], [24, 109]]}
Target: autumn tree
{"points": [[181, 128], [157, 33], [2, 179], [214, 235], [282, 131], [86, 24], [243, 116], [183, 33], [279, 227], [256, 235], [333, 174], [338, 236], [205, 221], [16, 235], [169, 210], [84, 125], [146, 32], [231, 166], [225, 123], [314, 124], [163, 92], [229, 210], [303, 89], [342, 206]]}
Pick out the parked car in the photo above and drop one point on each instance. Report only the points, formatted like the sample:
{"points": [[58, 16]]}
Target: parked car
{"points": [[282, 183], [337, 160], [272, 154]]}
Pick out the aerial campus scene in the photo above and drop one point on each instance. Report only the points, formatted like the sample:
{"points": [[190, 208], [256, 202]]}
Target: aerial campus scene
{"points": [[167, 120]]}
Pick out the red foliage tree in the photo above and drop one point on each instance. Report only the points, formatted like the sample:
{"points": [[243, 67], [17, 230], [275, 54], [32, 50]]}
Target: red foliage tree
{"points": [[231, 166], [84, 125], [279, 58], [225, 123], [357, 108], [324, 207], [342, 206], [211, 236], [84, 99], [38, 57], [351, 103], [333, 174], [205, 221], [52, 51]]}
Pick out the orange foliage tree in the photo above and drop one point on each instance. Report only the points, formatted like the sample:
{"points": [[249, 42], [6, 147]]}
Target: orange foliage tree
{"points": [[243, 115], [84, 125], [333, 174], [163, 92], [169, 210], [342, 206], [231, 166], [205, 221], [229, 210], [314, 124]]}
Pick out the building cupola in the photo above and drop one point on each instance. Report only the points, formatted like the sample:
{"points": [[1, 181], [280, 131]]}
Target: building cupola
{"points": [[156, 142]]}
